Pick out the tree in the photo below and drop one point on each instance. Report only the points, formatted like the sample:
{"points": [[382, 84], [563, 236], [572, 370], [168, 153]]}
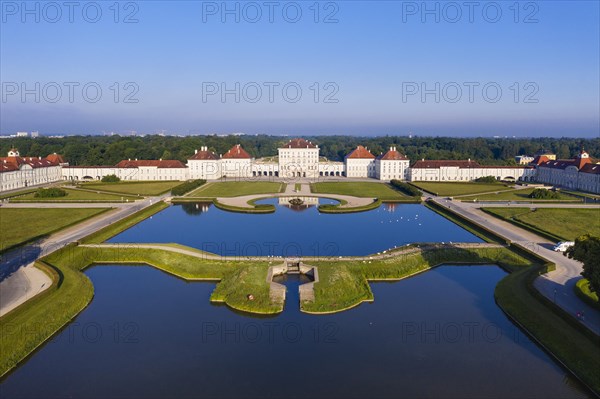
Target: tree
{"points": [[587, 251]]}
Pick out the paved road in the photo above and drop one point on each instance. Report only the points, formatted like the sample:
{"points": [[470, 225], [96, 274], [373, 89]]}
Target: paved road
{"points": [[557, 285], [12, 263]]}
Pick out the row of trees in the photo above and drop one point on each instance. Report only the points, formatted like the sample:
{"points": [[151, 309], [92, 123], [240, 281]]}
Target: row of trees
{"points": [[108, 150]]}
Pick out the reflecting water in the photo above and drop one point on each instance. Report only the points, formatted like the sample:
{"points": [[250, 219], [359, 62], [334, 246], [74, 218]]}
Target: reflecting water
{"points": [[289, 232], [148, 334]]}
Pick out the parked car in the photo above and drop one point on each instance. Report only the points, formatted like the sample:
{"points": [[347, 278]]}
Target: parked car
{"points": [[563, 246]]}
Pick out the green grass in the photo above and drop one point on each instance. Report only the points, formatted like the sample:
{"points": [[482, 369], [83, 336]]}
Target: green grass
{"points": [[582, 290], [566, 339], [18, 193], [330, 208], [252, 207], [382, 191], [236, 189], [22, 225], [123, 224], [459, 188], [558, 224], [518, 195], [297, 186], [344, 284], [77, 196], [134, 188]]}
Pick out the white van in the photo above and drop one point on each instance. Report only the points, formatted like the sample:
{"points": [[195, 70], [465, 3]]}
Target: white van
{"points": [[563, 246]]}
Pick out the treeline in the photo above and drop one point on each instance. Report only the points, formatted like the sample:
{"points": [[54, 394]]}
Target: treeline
{"points": [[108, 150]]}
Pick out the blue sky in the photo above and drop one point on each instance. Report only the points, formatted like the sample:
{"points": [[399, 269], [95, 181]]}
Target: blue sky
{"points": [[370, 62]]}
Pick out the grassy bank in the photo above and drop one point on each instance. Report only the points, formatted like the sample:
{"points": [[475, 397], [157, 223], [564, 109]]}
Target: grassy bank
{"points": [[577, 348], [555, 224], [122, 225], [337, 208], [252, 207], [22, 225], [459, 188], [344, 284], [237, 189], [472, 227]]}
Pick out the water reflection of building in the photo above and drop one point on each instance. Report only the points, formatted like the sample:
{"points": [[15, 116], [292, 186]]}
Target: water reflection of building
{"points": [[390, 206], [195, 208], [307, 202]]}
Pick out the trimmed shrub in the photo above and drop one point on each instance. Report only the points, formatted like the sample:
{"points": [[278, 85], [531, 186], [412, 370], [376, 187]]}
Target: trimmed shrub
{"points": [[110, 179], [187, 187], [406, 188], [486, 179], [52, 192]]}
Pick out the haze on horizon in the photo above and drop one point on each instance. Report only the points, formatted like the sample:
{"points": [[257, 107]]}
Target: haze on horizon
{"points": [[362, 68]]}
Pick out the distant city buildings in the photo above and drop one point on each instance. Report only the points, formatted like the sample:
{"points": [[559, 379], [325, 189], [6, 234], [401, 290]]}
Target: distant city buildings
{"points": [[300, 158]]}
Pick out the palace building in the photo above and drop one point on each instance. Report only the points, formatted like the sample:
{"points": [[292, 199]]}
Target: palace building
{"points": [[20, 172], [581, 173], [299, 158]]}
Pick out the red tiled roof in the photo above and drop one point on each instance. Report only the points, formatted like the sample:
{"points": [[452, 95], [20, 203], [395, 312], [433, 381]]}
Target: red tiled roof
{"points": [[360, 153], [162, 164], [392, 155], [7, 167], [540, 159], [592, 168], [56, 158], [299, 143], [579, 163], [204, 156], [237, 152], [14, 163], [436, 164]]}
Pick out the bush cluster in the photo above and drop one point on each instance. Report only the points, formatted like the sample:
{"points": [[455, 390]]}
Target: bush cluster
{"points": [[542, 193], [52, 192], [111, 179]]}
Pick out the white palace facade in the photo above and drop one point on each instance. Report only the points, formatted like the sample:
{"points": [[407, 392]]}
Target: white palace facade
{"points": [[299, 158]]}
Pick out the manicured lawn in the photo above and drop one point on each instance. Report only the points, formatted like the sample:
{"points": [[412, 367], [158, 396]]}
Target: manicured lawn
{"points": [[566, 223], [77, 195], [459, 188], [517, 195], [18, 193], [359, 189], [237, 188], [134, 188], [19, 225]]}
